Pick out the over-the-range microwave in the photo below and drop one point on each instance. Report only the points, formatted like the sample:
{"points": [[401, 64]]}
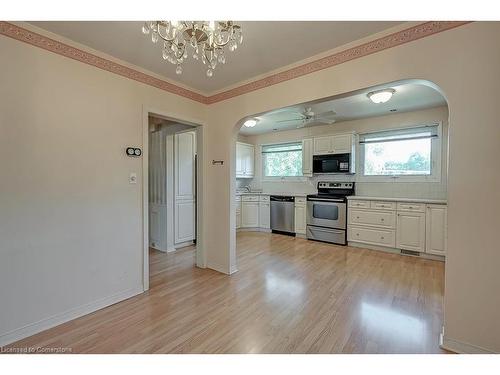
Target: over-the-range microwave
{"points": [[337, 163]]}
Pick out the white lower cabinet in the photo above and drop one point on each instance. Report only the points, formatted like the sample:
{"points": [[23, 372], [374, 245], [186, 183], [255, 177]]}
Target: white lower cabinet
{"points": [[372, 236], [417, 227], [249, 214], [300, 215], [410, 231], [264, 214], [436, 228]]}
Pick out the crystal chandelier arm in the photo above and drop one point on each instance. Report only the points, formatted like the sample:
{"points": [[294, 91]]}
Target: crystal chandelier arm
{"points": [[164, 37]]}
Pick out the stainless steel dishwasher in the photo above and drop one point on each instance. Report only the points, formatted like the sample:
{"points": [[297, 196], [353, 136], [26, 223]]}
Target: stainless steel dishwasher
{"points": [[282, 214]]}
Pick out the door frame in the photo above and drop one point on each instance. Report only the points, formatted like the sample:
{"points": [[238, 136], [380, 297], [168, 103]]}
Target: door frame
{"points": [[198, 128]]}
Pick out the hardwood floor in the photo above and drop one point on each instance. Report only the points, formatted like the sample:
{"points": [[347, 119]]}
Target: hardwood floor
{"points": [[290, 295]]}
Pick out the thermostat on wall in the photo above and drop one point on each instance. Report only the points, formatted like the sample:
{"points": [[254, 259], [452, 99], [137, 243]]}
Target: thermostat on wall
{"points": [[133, 151]]}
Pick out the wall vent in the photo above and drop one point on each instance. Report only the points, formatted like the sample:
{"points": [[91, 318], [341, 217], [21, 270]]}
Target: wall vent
{"points": [[410, 252]]}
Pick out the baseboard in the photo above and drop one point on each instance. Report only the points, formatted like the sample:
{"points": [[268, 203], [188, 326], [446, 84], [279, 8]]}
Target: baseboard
{"points": [[55, 320], [218, 268], [180, 245], [461, 347], [392, 250]]}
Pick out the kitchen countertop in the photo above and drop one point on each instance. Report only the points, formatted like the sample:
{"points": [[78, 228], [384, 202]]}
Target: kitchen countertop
{"points": [[274, 193], [413, 200]]}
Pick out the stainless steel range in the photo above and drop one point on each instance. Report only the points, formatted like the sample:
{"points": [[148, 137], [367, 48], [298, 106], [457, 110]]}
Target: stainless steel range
{"points": [[327, 212]]}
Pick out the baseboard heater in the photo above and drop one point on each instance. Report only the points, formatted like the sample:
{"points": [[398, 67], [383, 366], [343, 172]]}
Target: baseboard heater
{"points": [[410, 252]]}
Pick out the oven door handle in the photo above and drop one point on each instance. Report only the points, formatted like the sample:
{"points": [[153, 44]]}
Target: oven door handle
{"points": [[326, 200]]}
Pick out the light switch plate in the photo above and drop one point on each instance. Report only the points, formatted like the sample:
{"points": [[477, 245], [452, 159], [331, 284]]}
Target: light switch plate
{"points": [[132, 179]]}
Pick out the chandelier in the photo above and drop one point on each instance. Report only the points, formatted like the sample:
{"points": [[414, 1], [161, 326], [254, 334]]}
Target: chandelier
{"points": [[204, 39]]}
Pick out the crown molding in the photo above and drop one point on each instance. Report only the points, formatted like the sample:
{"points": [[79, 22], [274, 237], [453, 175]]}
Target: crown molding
{"points": [[38, 40], [389, 41]]}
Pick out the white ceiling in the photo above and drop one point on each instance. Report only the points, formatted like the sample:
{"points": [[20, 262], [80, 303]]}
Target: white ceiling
{"points": [[408, 97], [267, 45]]}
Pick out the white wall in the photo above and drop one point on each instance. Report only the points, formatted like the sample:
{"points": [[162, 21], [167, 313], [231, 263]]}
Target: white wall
{"points": [[432, 190], [71, 232], [463, 63]]}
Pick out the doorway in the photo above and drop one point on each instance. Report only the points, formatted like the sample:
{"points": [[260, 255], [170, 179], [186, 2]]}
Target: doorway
{"points": [[171, 200]]}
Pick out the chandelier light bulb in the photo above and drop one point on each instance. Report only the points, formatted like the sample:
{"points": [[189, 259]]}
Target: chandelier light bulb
{"points": [[178, 70]]}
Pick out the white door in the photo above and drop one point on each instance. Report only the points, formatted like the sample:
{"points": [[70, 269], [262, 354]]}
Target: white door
{"points": [[410, 231], [184, 221], [264, 215], [184, 176], [250, 214], [341, 144], [322, 145], [436, 228], [307, 159], [185, 150], [300, 219]]}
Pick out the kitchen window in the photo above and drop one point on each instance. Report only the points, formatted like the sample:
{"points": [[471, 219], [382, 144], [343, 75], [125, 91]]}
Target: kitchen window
{"points": [[411, 154], [282, 160]]}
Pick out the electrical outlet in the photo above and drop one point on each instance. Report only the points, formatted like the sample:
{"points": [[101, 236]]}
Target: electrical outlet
{"points": [[132, 179]]}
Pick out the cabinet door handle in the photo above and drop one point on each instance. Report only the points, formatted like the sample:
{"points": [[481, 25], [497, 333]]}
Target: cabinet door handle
{"points": [[382, 219], [357, 217], [382, 237]]}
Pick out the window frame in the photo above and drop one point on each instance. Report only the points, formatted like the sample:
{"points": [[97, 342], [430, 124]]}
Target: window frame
{"points": [[265, 178], [436, 158]]}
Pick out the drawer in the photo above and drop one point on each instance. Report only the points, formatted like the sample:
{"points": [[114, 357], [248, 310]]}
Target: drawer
{"points": [[380, 205], [264, 198], [372, 236], [250, 198], [377, 218], [300, 200], [359, 204], [414, 207]]}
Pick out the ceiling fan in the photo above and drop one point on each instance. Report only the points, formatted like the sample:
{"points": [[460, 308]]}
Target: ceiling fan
{"points": [[308, 117]]}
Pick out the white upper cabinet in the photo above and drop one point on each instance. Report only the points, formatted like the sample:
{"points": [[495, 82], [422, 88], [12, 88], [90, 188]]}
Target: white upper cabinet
{"points": [[244, 160], [323, 145], [342, 144], [333, 144], [436, 223], [307, 160], [410, 231]]}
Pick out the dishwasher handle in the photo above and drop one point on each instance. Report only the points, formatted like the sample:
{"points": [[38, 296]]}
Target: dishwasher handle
{"points": [[280, 198]]}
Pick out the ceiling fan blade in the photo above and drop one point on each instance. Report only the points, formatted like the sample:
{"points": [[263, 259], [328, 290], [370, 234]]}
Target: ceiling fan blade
{"points": [[327, 114], [318, 122], [294, 119]]}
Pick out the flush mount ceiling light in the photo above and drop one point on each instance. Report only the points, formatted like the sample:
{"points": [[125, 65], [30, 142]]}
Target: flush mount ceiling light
{"points": [[381, 96], [204, 39], [250, 123]]}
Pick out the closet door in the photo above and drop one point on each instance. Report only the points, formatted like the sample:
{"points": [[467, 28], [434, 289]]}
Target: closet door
{"points": [[184, 177]]}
